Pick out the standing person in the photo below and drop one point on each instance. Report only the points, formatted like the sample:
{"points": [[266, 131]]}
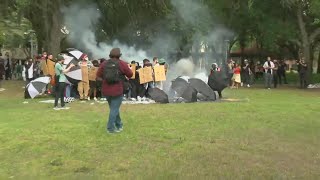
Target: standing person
{"points": [[246, 73], [303, 68], [29, 76], [156, 63], [268, 69], [275, 73], [93, 79], [83, 86], [282, 72], [29, 71], [19, 70], [60, 82], [236, 79], [113, 72], [7, 66], [2, 72], [214, 73], [230, 71]]}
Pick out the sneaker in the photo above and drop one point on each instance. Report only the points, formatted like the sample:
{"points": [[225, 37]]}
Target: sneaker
{"points": [[88, 98], [95, 99], [248, 85], [113, 131], [120, 129], [56, 108]]}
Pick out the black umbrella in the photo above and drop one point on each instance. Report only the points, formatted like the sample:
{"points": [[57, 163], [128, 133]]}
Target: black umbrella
{"points": [[203, 88], [218, 81], [184, 90], [158, 95]]}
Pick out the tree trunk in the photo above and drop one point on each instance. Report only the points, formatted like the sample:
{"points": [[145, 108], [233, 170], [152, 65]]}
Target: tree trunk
{"points": [[55, 35], [306, 47]]}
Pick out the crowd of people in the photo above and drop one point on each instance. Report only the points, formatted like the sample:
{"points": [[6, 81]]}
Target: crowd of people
{"points": [[112, 81], [89, 88], [272, 71]]}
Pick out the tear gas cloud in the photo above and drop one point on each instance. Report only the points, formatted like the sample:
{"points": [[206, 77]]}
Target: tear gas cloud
{"points": [[81, 22]]}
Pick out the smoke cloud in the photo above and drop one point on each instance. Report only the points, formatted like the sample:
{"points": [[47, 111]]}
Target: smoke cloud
{"points": [[208, 37], [81, 22]]}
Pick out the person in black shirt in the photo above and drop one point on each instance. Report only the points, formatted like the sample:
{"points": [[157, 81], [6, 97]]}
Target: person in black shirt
{"points": [[246, 73], [282, 72], [303, 68], [275, 73]]}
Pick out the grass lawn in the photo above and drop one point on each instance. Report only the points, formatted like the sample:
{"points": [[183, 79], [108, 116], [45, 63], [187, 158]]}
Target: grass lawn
{"points": [[270, 134]]}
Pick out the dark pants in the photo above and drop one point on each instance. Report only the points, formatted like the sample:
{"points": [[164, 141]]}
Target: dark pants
{"points": [[275, 80], [230, 75], [246, 78], [114, 115], [60, 87], [303, 80], [8, 74], [268, 80], [134, 88], [282, 75]]}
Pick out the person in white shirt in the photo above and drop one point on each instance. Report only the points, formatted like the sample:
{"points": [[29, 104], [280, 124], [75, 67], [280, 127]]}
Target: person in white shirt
{"points": [[268, 71]]}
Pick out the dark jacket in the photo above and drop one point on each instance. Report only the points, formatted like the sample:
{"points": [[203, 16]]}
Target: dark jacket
{"points": [[114, 89], [2, 70]]}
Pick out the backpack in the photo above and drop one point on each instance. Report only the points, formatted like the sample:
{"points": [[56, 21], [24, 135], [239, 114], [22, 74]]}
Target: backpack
{"points": [[112, 72]]}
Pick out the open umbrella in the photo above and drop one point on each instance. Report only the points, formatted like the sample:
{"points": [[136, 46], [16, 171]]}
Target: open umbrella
{"points": [[74, 75], [203, 89], [158, 95], [218, 81], [37, 86], [184, 90], [68, 59], [74, 52]]}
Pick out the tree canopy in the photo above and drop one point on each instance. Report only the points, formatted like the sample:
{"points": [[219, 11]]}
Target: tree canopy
{"points": [[286, 28]]}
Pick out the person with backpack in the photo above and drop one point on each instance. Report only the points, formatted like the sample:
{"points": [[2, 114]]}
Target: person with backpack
{"points": [[113, 72]]}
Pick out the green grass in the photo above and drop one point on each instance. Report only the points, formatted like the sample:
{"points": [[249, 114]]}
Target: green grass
{"points": [[268, 135]]}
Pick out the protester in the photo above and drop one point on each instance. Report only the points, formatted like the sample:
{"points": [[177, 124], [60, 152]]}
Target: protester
{"points": [[159, 83], [7, 66], [275, 73], [236, 79], [29, 70], [2, 73], [282, 72], [146, 63], [303, 69], [230, 71], [268, 67], [93, 79], [246, 73], [214, 73], [83, 86], [113, 72], [60, 82]]}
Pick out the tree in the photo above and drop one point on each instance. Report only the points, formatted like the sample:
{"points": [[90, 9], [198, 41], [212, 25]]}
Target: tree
{"points": [[307, 19]]}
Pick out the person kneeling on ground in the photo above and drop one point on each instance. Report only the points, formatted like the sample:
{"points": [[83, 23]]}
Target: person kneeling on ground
{"points": [[113, 73], [60, 79]]}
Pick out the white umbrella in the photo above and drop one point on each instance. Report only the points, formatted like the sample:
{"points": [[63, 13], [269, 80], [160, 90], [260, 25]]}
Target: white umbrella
{"points": [[37, 86]]}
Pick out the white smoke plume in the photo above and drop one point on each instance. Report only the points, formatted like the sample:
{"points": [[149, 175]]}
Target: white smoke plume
{"points": [[81, 22]]}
